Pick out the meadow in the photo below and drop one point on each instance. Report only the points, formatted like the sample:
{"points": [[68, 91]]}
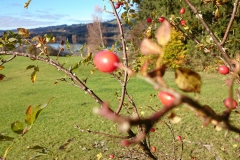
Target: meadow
{"points": [[70, 106]]}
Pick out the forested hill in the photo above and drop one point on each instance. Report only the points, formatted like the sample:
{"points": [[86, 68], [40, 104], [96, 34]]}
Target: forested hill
{"points": [[75, 33]]}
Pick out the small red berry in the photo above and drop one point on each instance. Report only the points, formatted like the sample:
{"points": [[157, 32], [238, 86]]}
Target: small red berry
{"points": [[223, 69], [228, 101], [153, 130], [149, 20], [183, 22], [117, 5], [154, 149], [111, 156], [161, 19], [182, 11], [120, 3], [179, 138]]}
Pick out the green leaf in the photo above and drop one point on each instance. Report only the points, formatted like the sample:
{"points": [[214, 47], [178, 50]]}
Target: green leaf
{"points": [[12, 39], [131, 11], [17, 127], [5, 138], [188, 80], [48, 37], [76, 66], [124, 14], [67, 44], [30, 66], [38, 110], [10, 46], [29, 112], [36, 68]]}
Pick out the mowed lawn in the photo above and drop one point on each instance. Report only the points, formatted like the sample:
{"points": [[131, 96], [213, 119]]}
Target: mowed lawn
{"points": [[71, 106]]}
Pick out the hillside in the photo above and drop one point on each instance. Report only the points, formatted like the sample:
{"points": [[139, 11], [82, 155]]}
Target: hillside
{"points": [[79, 31]]}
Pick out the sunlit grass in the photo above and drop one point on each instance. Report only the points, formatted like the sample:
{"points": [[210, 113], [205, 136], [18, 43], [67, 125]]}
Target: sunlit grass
{"points": [[72, 106]]}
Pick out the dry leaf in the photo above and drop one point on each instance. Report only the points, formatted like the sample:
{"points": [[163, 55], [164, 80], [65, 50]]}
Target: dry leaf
{"points": [[159, 72], [1, 67], [23, 32], [1, 77], [188, 80], [174, 119], [164, 33], [150, 47], [217, 14]]}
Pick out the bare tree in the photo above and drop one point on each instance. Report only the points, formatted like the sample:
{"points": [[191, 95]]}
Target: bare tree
{"points": [[96, 31]]}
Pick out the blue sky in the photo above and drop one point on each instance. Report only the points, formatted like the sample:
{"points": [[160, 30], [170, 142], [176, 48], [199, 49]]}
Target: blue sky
{"points": [[42, 13]]}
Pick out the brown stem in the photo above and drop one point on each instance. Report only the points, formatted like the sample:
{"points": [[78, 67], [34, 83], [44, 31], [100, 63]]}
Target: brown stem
{"points": [[96, 132], [125, 58], [173, 137], [8, 60]]}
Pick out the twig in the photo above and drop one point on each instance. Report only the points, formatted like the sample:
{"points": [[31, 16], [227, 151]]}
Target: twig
{"points": [[8, 60], [125, 58], [100, 133], [173, 137]]}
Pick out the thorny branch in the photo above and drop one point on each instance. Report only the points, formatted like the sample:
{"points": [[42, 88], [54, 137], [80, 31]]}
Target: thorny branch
{"points": [[8, 60], [203, 111], [125, 58]]}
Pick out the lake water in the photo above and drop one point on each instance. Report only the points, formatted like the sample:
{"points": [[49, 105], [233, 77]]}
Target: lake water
{"points": [[74, 47]]}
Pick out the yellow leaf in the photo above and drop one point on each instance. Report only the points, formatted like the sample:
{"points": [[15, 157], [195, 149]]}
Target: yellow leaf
{"points": [[53, 40], [1, 67], [217, 14], [188, 80], [164, 33], [23, 32], [174, 119], [33, 77], [28, 118], [142, 112], [235, 146], [99, 156]]}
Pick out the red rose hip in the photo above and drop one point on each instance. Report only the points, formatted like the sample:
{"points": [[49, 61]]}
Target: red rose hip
{"points": [[111, 156], [149, 20], [223, 69], [166, 98], [227, 103], [183, 22], [106, 61], [182, 11], [161, 19]]}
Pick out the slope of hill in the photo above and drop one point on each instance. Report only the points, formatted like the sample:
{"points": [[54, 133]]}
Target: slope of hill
{"points": [[79, 31]]}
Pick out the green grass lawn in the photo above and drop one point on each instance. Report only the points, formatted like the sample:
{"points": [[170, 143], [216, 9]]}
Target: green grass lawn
{"points": [[71, 105]]}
